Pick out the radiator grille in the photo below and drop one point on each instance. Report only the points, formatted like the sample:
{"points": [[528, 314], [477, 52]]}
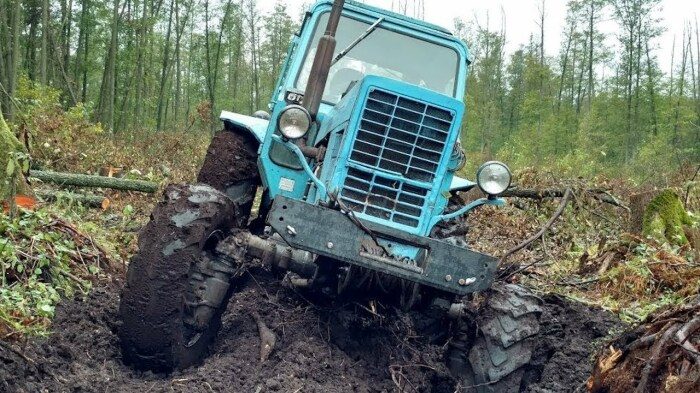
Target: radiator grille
{"points": [[387, 199], [397, 138], [402, 136]]}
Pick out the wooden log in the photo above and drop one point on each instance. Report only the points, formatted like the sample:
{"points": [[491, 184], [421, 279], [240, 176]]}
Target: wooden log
{"points": [[95, 201], [80, 180]]}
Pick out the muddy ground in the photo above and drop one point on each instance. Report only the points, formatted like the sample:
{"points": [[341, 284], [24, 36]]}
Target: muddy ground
{"points": [[320, 348]]}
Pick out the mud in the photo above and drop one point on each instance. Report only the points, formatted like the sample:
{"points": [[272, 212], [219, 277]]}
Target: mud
{"points": [[231, 158], [320, 348]]}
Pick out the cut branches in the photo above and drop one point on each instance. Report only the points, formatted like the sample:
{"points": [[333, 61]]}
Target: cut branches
{"points": [[565, 201], [550, 193], [660, 355]]}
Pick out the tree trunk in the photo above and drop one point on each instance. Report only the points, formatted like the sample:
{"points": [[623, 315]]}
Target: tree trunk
{"points": [[164, 69], [564, 64], [138, 104], [44, 62], [652, 93], [80, 180], [13, 69], [105, 106], [14, 183]]}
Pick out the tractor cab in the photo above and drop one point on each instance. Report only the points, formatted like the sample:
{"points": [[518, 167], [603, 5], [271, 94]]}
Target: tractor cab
{"points": [[373, 122], [372, 41]]}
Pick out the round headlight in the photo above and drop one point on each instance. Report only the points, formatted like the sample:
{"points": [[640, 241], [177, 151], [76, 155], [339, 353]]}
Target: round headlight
{"points": [[294, 122], [493, 178]]}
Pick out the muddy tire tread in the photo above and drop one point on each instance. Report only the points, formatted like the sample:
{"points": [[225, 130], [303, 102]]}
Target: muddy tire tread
{"points": [[152, 307], [491, 353]]}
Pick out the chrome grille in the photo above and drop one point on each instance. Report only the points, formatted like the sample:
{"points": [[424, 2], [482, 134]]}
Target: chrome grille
{"points": [[395, 157]]}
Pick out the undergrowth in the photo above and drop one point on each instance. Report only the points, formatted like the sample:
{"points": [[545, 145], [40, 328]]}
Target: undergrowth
{"points": [[588, 255], [60, 249], [42, 258]]}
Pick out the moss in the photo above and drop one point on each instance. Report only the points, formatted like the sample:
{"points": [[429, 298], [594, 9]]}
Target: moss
{"points": [[8, 144], [664, 218]]}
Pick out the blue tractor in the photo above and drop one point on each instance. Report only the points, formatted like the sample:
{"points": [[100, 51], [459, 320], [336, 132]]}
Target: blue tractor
{"points": [[355, 169]]}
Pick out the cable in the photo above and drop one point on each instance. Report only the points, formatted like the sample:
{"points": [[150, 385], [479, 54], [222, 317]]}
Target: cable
{"points": [[353, 218]]}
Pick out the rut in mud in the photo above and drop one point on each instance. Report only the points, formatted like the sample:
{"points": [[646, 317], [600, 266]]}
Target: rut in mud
{"points": [[320, 348]]}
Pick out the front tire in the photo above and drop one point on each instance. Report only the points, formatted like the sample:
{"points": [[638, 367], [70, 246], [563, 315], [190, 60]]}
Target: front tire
{"points": [[159, 303], [490, 351]]}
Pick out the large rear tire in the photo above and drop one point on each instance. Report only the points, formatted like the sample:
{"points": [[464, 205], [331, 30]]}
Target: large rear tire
{"points": [[168, 316], [490, 351], [165, 280]]}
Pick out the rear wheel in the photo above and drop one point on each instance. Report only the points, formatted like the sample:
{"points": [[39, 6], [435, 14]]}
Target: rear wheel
{"points": [[176, 291], [490, 351]]}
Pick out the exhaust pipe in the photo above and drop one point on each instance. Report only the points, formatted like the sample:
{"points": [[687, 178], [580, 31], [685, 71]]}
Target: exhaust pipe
{"points": [[322, 62]]}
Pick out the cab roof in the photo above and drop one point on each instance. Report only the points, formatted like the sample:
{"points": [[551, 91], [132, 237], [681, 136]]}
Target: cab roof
{"points": [[403, 19]]}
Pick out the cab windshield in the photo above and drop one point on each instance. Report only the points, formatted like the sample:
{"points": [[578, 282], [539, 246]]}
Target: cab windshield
{"points": [[383, 53]]}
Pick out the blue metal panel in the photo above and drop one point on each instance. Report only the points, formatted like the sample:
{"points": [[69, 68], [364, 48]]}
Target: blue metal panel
{"points": [[397, 189], [459, 184], [278, 179], [257, 127]]}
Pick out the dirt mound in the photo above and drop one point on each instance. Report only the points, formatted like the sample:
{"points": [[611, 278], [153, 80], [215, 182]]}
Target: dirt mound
{"points": [[571, 332], [320, 348]]}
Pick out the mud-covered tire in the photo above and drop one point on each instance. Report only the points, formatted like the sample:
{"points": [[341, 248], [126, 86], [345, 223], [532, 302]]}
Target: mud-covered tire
{"points": [[230, 166], [163, 276], [489, 352]]}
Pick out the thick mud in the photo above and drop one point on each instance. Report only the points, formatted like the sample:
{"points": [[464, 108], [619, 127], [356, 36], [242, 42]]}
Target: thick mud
{"points": [[320, 348]]}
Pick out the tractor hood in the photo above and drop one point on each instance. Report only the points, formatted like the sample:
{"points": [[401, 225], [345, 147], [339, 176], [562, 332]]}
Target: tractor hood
{"points": [[390, 145], [352, 102]]}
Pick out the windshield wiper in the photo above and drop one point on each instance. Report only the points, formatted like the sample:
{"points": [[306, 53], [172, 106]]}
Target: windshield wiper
{"points": [[357, 41]]}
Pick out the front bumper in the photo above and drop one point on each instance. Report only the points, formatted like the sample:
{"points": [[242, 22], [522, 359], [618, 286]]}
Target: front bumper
{"points": [[331, 234]]}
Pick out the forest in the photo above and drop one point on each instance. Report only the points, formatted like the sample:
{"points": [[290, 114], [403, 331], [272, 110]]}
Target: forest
{"points": [[161, 65], [104, 105]]}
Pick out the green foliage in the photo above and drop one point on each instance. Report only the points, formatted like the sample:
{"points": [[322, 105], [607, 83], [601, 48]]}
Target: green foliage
{"points": [[39, 265], [559, 113]]}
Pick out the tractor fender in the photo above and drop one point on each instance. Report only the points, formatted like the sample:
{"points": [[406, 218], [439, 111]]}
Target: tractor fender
{"points": [[252, 125]]}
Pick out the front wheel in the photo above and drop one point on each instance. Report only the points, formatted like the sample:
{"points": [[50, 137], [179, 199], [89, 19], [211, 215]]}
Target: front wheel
{"points": [[490, 351], [175, 292]]}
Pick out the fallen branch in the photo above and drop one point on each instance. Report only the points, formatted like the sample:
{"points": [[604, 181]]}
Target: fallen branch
{"points": [[538, 235], [95, 201], [596, 193], [80, 180], [655, 358], [521, 269], [684, 333]]}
